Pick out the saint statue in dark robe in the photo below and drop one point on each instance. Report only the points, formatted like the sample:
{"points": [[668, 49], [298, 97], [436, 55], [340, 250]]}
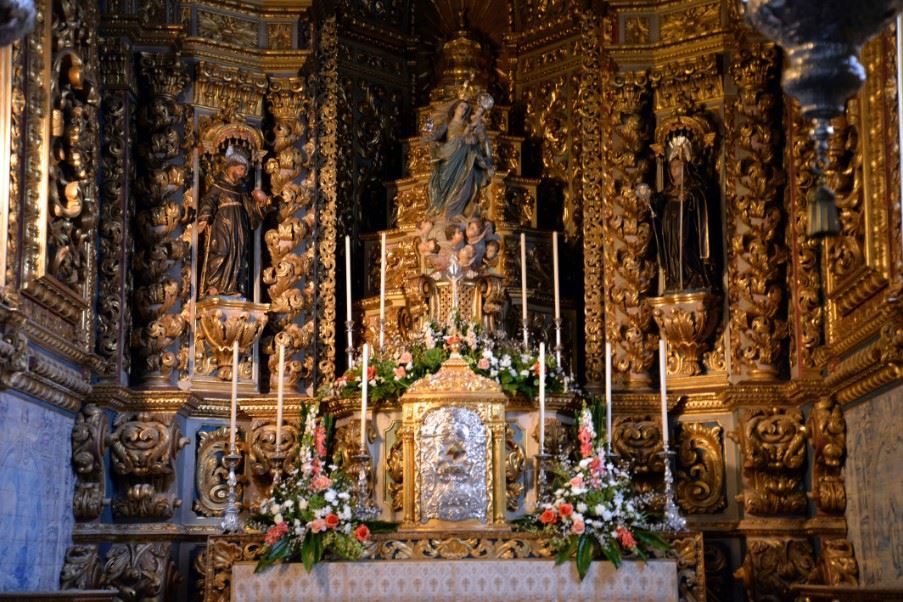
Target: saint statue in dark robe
{"points": [[681, 221], [462, 160], [232, 216]]}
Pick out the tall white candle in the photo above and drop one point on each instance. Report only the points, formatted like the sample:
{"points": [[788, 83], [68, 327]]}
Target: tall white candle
{"points": [[542, 398], [233, 412], [608, 398], [663, 368], [280, 397], [382, 290], [364, 384], [555, 272], [348, 298], [523, 284]]}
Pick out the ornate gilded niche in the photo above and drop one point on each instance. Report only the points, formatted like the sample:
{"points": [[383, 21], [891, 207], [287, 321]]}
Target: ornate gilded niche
{"points": [[226, 260]]}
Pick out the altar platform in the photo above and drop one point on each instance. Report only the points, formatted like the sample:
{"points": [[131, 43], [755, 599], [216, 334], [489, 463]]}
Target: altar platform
{"points": [[455, 580]]}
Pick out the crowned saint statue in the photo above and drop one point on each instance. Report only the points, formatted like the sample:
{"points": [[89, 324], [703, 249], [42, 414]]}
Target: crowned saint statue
{"points": [[232, 216], [681, 220]]}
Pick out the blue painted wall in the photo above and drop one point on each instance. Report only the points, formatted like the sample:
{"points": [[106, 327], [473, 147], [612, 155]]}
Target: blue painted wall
{"points": [[36, 486]]}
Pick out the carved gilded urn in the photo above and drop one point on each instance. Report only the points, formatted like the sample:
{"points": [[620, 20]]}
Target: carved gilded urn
{"points": [[222, 321], [686, 321]]}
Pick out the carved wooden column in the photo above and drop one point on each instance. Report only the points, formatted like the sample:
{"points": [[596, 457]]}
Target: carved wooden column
{"points": [[592, 170], [116, 211], [292, 251], [630, 271], [159, 249], [756, 252]]}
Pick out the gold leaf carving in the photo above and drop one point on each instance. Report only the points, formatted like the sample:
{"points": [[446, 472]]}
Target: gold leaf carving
{"points": [[89, 443], [827, 431], [210, 473], [700, 479], [771, 566]]}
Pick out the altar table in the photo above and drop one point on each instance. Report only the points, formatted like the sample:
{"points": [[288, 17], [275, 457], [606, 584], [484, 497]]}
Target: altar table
{"points": [[457, 581]]}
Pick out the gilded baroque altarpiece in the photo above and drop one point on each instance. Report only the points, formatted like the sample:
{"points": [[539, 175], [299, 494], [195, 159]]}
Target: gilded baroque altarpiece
{"points": [[117, 123]]}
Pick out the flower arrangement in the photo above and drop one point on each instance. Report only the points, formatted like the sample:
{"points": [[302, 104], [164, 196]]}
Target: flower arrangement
{"points": [[309, 512], [593, 510], [491, 355]]}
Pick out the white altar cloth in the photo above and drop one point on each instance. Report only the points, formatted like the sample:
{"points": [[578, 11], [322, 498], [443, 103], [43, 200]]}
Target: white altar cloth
{"points": [[457, 581]]}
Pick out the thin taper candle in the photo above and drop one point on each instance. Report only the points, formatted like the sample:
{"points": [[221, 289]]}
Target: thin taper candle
{"points": [[382, 290], [233, 412], [542, 398], [349, 333], [608, 398], [364, 384], [555, 272], [280, 396], [663, 367], [523, 284]]}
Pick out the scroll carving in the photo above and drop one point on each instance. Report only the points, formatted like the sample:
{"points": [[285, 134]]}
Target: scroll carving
{"points": [[214, 565], [159, 249], [828, 434], [89, 443], [262, 446], [395, 472], [756, 255], [836, 564], [210, 473], [143, 448], [141, 571], [771, 566], [638, 440], [629, 270], [81, 568], [773, 443], [700, 479]]}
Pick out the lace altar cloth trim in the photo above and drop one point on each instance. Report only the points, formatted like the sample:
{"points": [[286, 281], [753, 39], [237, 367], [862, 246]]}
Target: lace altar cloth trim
{"points": [[456, 581]]}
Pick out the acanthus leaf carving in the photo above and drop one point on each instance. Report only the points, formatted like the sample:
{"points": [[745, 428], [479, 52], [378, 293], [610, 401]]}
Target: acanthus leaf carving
{"points": [[700, 478], [827, 432], [89, 443]]}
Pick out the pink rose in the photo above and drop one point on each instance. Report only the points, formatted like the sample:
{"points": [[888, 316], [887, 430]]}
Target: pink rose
{"points": [[547, 517], [577, 482], [406, 358], [317, 525], [595, 466], [320, 482], [625, 537], [400, 372], [275, 533], [565, 510], [483, 364], [578, 527]]}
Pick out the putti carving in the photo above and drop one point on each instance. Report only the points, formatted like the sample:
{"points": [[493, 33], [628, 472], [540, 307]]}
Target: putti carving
{"points": [[210, 473], [629, 270], [771, 566], [81, 568], [115, 243], [592, 183], [89, 443], [141, 571], [74, 139], [700, 478], [773, 443], [827, 431], [638, 440], [289, 280], [836, 564], [756, 254], [143, 448], [515, 462], [159, 248]]}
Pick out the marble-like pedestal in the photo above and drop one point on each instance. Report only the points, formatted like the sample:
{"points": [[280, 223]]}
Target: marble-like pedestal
{"points": [[457, 581]]}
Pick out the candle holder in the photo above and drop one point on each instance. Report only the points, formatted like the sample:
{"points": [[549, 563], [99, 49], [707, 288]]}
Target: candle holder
{"points": [[543, 482], [558, 346], [673, 520], [382, 333], [231, 522], [349, 350], [362, 498], [525, 326], [276, 462]]}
